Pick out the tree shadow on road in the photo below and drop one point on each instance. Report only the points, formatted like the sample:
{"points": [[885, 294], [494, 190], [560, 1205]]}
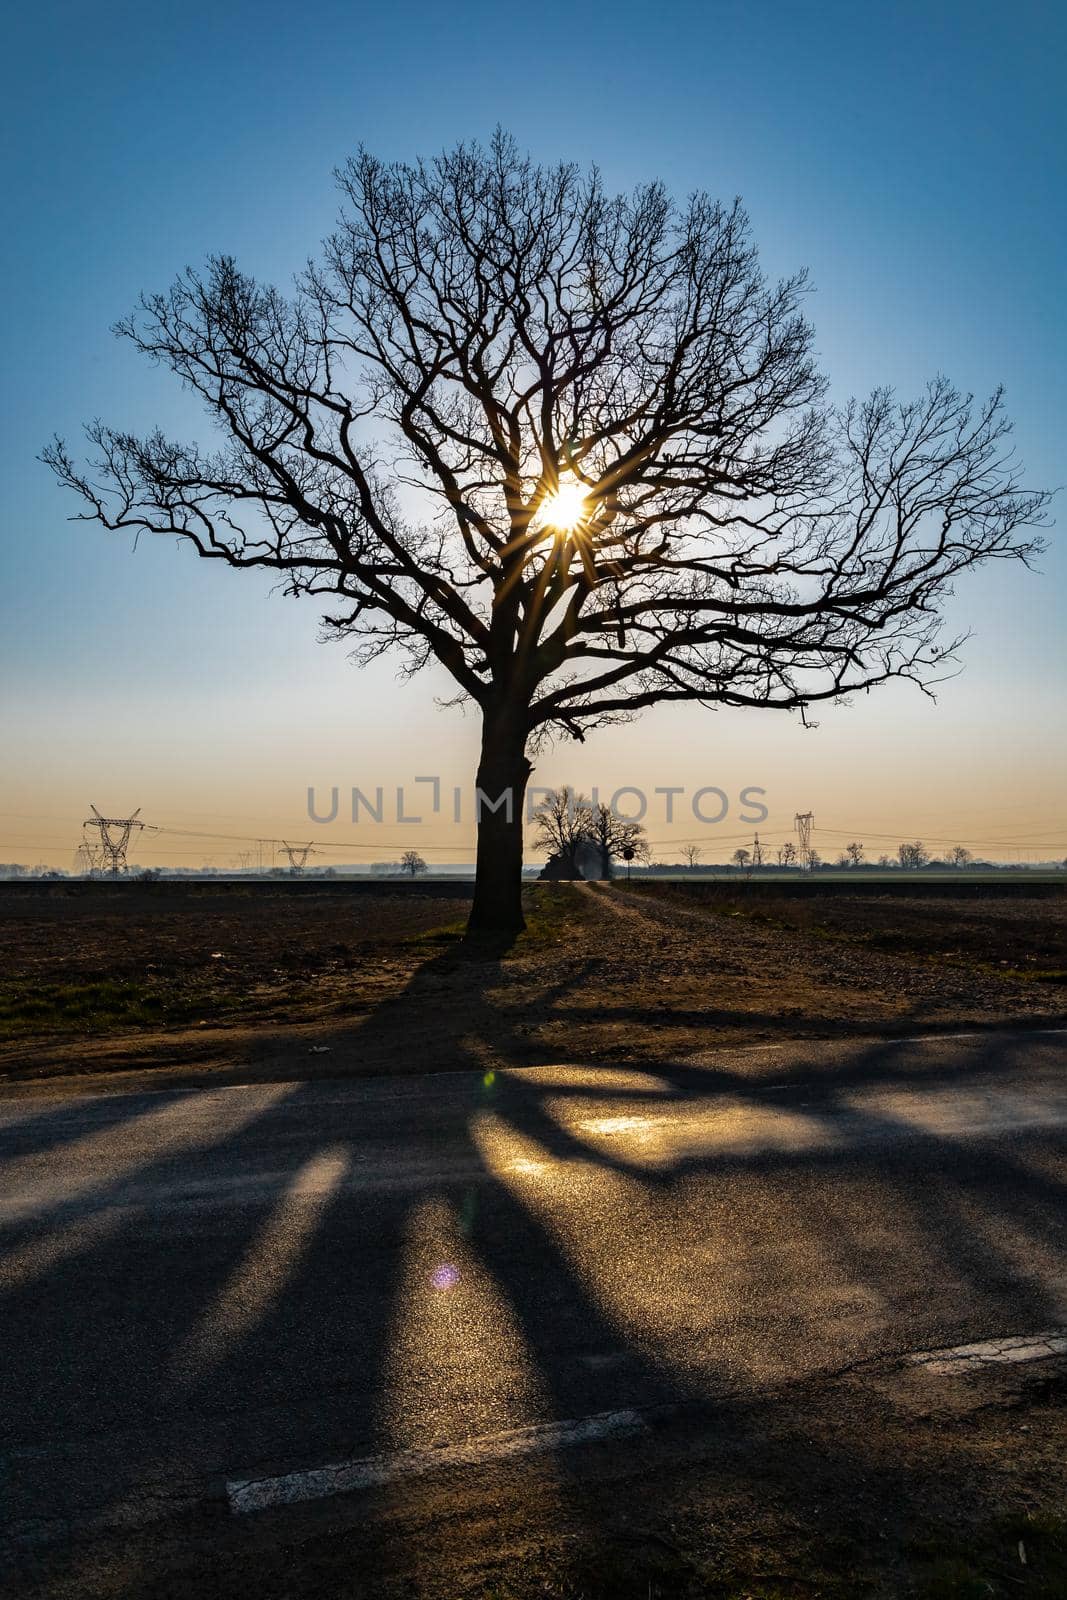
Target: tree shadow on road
{"points": [[534, 1279]]}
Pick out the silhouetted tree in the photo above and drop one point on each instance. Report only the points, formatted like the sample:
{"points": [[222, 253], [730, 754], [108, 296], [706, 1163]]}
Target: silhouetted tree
{"points": [[787, 854], [612, 835], [914, 854], [691, 854], [854, 853], [960, 856], [412, 863], [563, 823], [571, 445], [741, 858]]}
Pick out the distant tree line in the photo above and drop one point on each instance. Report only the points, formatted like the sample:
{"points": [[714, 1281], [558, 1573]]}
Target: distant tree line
{"points": [[911, 855]]}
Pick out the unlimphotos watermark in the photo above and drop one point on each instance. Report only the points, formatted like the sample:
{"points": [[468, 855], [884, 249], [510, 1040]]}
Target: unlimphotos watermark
{"points": [[669, 803]]}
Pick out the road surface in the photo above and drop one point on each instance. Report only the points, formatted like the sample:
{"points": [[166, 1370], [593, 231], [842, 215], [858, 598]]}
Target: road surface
{"points": [[209, 1290]]}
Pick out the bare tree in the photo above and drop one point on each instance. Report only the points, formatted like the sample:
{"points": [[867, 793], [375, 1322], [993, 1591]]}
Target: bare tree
{"points": [[960, 856], [613, 836], [412, 863], [741, 858], [854, 853], [571, 445], [787, 854], [563, 823], [914, 854], [691, 854]]}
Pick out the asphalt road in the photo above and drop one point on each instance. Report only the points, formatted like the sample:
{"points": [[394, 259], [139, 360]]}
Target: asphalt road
{"points": [[226, 1285]]}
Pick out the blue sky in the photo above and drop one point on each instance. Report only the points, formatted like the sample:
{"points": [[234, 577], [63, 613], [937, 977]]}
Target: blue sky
{"points": [[913, 161]]}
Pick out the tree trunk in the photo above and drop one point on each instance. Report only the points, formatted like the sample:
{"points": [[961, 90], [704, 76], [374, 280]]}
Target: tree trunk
{"points": [[503, 773]]}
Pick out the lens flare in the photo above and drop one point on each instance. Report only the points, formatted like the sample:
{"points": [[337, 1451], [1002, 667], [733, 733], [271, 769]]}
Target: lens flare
{"points": [[565, 508]]}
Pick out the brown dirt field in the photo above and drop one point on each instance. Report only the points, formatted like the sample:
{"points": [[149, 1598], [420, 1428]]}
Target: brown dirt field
{"points": [[231, 986], [79, 965], [1011, 934]]}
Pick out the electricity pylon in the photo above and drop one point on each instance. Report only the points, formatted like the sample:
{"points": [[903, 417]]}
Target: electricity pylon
{"points": [[804, 821], [114, 835], [298, 855], [87, 859], [757, 852]]}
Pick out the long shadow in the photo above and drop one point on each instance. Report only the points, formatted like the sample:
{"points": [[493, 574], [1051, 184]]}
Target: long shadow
{"points": [[54, 1124], [99, 1350]]}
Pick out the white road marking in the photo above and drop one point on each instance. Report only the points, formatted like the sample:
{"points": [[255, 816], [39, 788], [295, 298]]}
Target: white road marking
{"points": [[257, 1494], [1003, 1352]]}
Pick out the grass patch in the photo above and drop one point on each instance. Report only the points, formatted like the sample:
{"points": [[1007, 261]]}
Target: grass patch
{"points": [[438, 938], [947, 1566], [649, 1569], [98, 1006], [553, 912], [1021, 1555]]}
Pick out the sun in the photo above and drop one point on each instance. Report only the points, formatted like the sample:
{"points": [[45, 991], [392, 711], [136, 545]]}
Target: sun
{"points": [[565, 508]]}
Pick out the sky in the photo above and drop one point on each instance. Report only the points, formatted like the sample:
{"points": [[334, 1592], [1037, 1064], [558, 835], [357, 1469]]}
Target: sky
{"points": [[911, 157]]}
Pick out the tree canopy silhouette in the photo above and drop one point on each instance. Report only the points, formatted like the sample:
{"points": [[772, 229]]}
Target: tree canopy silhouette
{"points": [[568, 824], [563, 823], [572, 445]]}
